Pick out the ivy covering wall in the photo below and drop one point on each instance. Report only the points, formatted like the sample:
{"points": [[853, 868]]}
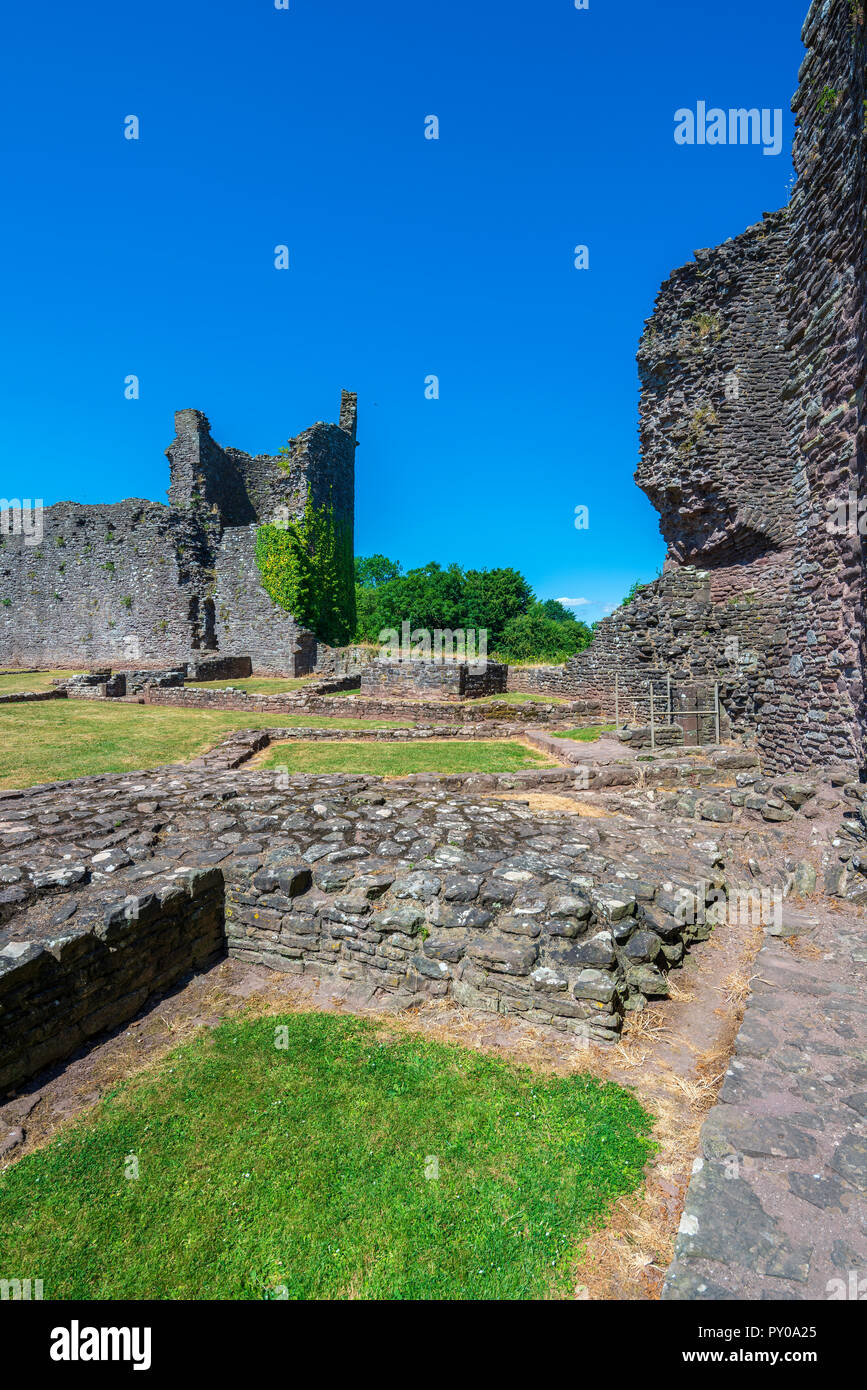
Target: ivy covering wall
{"points": [[307, 567]]}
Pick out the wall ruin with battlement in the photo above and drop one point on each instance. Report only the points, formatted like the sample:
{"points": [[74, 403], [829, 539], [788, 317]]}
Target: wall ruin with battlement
{"points": [[753, 439], [137, 581]]}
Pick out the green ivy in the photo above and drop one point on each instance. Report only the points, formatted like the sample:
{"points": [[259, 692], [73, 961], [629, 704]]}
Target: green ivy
{"points": [[307, 567], [829, 100]]}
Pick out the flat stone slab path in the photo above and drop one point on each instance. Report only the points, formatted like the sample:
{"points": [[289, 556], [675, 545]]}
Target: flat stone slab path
{"points": [[777, 1204]]}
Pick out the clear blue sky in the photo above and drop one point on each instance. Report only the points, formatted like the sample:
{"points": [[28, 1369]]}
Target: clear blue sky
{"points": [[409, 257]]}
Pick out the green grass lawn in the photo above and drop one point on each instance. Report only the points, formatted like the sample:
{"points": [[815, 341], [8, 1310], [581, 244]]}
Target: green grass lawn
{"points": [[521, 697], [258, 685], [60, 739], [587, 735], [399, 759], [41, 680], [309, 1171]]}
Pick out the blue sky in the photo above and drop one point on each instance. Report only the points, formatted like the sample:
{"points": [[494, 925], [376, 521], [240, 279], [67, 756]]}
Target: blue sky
{"points": [[409, 257]]}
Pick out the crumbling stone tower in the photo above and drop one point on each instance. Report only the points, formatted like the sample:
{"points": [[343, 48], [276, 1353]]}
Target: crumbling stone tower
{"points": [[141, 582], [753, 446]]}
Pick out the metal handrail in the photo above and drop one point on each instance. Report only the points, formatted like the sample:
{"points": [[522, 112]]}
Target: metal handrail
{"points": [[670, 721]]}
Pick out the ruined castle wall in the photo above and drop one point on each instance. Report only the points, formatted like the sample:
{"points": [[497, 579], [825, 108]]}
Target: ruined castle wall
{"points": [[712, 364], [204, 476], [752, 434], [138, 582], [246, 618], [816, 701], [672, 628], [106, 585]]}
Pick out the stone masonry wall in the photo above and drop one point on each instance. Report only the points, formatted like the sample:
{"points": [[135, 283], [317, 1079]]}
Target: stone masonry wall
{"points": [[370, 707], [539, 680], [817, 709], [100, 970], [110, 582], [438, 680], [753, 440], [712, 364], [138, 582], [714, 462]]}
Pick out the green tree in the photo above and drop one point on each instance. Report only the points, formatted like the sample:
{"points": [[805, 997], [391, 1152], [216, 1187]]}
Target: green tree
{"points": [[499, 601], [535, 637], [557, 611], [492, 598], [373, 570]]}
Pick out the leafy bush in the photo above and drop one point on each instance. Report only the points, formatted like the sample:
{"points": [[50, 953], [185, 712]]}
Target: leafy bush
{"points": [[535, 636]]}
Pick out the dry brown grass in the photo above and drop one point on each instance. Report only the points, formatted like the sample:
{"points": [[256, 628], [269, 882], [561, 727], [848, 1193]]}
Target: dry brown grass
{"points": [[628, 1258], [551, 801], [737, 989], [677, 992], [803, 949]]}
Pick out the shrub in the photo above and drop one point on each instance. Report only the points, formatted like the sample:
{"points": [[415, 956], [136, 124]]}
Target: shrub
{"points": [[535, 636]]}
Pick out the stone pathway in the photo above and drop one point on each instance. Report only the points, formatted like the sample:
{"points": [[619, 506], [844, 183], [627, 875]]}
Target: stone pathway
{"points": [[777, 1204]]}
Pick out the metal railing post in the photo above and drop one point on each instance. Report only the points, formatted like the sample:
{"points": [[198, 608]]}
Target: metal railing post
{"points": [[617, 699], [652, 724], [716, 708]]}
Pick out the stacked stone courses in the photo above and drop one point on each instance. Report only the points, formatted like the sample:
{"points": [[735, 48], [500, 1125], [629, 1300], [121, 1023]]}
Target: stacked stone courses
{"points": [[115, 887], [752, 441], [139, 582]]}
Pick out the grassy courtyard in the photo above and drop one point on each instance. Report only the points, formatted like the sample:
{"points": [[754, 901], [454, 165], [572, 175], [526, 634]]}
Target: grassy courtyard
{"points": [[258, 685], [400, 759], [38, 680], [61, 739], [522, 697], [588, 735], [345, 1162]]}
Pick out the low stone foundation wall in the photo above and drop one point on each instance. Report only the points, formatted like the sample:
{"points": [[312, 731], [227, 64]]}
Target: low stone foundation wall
{"points": [[567, 956], [114, 887], [468, 711], [259, 706], [333, 685], [439, 680], [56, 994], [310, 700], [114, 689], [343, 661], [24, 696], [106, 684], [541, 680], [661, 736], [467, 732], [133, 682], [117, 884], [219, 668]]}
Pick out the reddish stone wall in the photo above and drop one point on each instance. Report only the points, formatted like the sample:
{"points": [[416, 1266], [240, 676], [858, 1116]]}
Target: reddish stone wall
{"points": [[753, 439]]}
